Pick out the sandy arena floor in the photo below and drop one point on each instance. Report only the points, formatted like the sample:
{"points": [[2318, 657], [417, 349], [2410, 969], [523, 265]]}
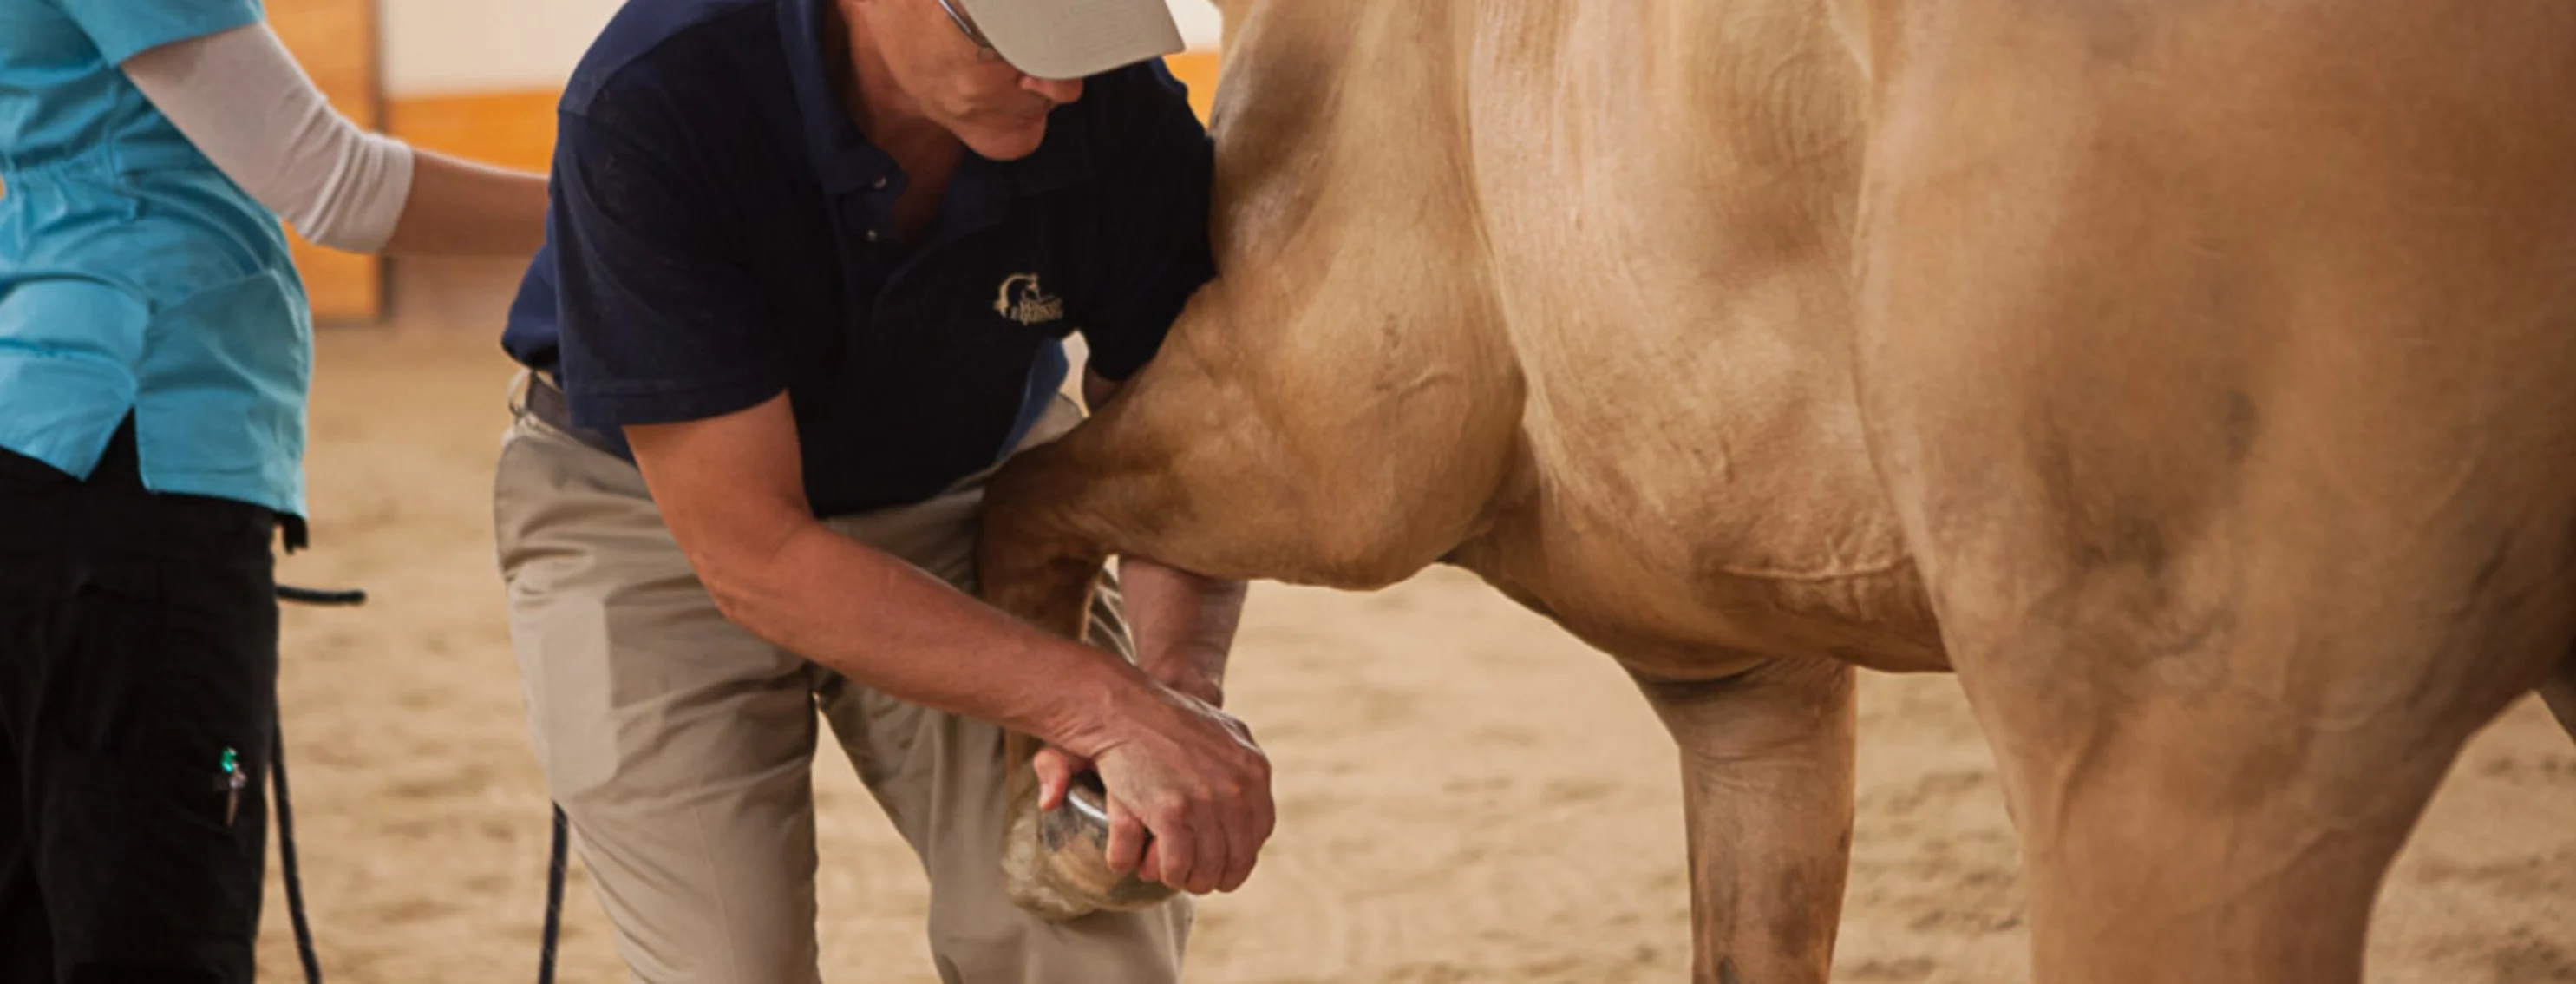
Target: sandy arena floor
{"points": [[1466, 794]]}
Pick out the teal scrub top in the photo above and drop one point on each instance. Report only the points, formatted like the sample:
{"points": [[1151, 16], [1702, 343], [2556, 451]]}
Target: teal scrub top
{"points": [[134, 277]]}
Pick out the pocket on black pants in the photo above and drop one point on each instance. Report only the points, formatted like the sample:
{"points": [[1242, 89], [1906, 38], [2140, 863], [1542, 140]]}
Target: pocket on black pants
{"points": [[140, 869]]}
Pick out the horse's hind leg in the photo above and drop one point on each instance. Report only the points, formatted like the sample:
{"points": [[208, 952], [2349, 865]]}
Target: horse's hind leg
{"points": [[2222, 811], [2232, 437], [2218, 720]]}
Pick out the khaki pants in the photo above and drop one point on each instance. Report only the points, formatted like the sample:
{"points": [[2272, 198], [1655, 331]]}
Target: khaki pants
{"points": [[681, 746]]}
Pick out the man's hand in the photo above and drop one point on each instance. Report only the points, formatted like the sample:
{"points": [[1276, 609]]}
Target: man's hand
{"points": [[1186, 773]]}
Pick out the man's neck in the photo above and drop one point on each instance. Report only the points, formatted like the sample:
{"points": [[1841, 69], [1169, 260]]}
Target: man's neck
{"points": [[889, 117]]}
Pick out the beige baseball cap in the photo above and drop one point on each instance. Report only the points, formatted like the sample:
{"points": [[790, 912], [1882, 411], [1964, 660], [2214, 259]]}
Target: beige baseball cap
{"points": [[1070, 39]]}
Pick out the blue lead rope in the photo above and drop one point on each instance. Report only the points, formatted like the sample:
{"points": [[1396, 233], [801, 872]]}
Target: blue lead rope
{"points": [[285, 805]]}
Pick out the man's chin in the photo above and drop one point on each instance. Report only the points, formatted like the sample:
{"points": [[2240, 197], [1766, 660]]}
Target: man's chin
{"points": [[1004, 143]]}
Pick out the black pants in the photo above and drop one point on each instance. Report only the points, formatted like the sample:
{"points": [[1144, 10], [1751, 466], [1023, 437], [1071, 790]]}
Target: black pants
{"points": [[138, 655]]}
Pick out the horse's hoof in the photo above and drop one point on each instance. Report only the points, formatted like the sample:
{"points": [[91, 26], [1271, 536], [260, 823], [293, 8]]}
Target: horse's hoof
{"points": [[1057, 864]]}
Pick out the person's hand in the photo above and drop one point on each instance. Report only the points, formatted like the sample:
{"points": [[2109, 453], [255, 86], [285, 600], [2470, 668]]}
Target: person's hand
{"points": [[1056, 768], [1185, 773]]}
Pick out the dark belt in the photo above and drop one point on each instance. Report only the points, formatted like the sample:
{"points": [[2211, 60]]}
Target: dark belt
{"points": [[547, 403]]}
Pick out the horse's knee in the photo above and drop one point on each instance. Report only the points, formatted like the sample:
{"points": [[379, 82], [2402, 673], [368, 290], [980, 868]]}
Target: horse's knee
{"points": [[1770, 702]]}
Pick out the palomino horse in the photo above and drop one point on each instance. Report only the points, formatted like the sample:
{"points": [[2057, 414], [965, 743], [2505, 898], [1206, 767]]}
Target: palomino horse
{"points": [[2209, 369]]}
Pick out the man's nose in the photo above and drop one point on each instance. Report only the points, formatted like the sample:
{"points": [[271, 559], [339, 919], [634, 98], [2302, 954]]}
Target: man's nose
{"points": [[1058, 91]]}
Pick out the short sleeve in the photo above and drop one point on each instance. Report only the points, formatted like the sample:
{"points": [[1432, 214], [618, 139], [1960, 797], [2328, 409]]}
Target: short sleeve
{"points": [[660, 319], [1154, 223], [122, 29]]}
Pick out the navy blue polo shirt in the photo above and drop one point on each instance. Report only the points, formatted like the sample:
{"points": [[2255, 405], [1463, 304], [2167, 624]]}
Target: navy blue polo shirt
{"points": [[721, 233]]}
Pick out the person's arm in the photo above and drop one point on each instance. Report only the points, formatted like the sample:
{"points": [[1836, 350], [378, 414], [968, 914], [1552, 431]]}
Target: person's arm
{"points": [[1184, 625], [459, 207], [242, 100], [731, 490]]}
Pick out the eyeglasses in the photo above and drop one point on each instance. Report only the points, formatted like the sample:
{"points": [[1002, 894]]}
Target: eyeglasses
{"points": [[983, 48]]}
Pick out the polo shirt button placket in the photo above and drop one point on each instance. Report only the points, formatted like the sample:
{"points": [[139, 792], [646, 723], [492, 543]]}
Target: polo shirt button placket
{"points": [[877, 184]]}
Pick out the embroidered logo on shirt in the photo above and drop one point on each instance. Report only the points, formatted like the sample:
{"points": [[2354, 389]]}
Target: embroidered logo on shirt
{"points": [[1021, 300]]}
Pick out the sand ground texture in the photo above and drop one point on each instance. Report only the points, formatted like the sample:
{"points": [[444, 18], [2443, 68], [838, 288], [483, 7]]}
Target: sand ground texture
{"points": [[1466, 793]]}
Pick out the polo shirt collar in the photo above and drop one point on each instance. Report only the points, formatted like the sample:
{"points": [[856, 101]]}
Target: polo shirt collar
{"points": [[842, 156]]}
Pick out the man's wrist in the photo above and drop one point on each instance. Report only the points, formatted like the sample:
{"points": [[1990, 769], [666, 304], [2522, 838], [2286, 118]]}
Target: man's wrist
{"points": [[1196, 670], [1208, 687]]}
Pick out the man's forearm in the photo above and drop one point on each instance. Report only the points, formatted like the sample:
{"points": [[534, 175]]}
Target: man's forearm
{"points": [[886, 624], [1183, 623]]}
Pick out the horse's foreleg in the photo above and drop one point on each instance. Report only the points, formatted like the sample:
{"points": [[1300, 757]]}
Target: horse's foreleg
{"points": [[1767, 786]]}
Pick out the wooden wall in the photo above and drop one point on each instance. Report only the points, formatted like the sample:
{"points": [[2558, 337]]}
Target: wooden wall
{"points": [[510, 129]]}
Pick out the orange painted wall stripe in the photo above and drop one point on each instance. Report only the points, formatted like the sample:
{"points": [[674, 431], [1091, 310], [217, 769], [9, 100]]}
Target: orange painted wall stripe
{"points": [[1196, 69], [510, 129]]}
